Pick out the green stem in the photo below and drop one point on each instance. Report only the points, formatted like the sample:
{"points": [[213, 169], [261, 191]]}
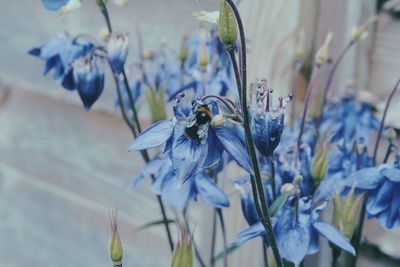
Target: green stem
{"points": [[265, 218], [221, 220], [214, 230]]}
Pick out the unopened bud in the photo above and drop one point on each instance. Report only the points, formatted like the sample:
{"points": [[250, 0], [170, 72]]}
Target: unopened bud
{"points": [[115, 247], [298, 179], [288, 188], [391, 134], [227, 25], [183, 253], [323, 52], [361, 32], [104, 34], [184, 51], [117, 51], [319, 167], [156, 103], [203, 55], [300, 47], [218, 120], [149, 54]]}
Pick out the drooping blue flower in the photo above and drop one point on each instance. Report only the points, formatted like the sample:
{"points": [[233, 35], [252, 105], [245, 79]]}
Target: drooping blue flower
{"points": [[59, 53], [201, 185], [297, 231], [88, 72], [117, 51], [266, 121], [192, 142]]}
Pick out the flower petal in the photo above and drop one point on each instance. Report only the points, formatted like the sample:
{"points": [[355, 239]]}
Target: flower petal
{"points": [[334, 236], [214, 150], [234, 147], [367, 178], [154, 136], [188, 157], [210, 192], [392, 174], [251, 232], [174, 196], [380, 198], [152, 167]]}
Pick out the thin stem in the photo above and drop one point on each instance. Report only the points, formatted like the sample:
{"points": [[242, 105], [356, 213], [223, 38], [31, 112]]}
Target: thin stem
{"points": [[197, 254], [273, 184], [388, 152], [144, 153], [306, 105], [297, 68], [214, 230], [265, 218], [335, 256], [356, 240], [331, 75], [221, 220], [383, 120], [232, 56], [131, 101], [265, 254]]}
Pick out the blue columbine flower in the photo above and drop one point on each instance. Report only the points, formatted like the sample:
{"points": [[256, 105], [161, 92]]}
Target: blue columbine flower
{"points": [[192, 142], [383, 186], [266, 121], [347, 119], [59, 53], [201, 185], [117, 51], [88, 72], [297, 231]]}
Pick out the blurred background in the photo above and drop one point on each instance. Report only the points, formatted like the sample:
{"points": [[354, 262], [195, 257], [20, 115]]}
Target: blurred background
{"points": [[62, 168]]}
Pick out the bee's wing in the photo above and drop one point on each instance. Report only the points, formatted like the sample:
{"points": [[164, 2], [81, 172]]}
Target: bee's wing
{"points": [[188, 121], [202, 132]]}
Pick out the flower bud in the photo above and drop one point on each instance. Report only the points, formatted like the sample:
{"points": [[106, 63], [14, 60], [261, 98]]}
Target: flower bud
{"points": [[117, 51], [115, 248], [289, 188], [361, 32], [183, 253], [156, 103], [319, 167], [323, 52], [203, 55], [184, 51], [149, 54], [345, 216], [120, 2], [88, 73], [391, 134], [227, 25]]}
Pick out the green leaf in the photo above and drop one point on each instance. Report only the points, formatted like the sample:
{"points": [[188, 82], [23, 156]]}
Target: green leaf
{"points": [[221, 254], [278, 204], [154, 223]]}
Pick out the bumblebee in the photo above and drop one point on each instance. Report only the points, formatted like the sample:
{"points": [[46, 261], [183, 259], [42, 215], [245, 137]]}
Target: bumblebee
{"points": [[198, 123]]}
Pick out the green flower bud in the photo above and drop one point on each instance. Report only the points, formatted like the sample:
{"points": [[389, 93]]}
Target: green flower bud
{"points": [[289, 189], [227, 25], [391, 134], [202, 57], [345, 215], [183, 253], [361, 32], [115, 248], [323, 52], [184, 51], [156, 103], [319, 167]]}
